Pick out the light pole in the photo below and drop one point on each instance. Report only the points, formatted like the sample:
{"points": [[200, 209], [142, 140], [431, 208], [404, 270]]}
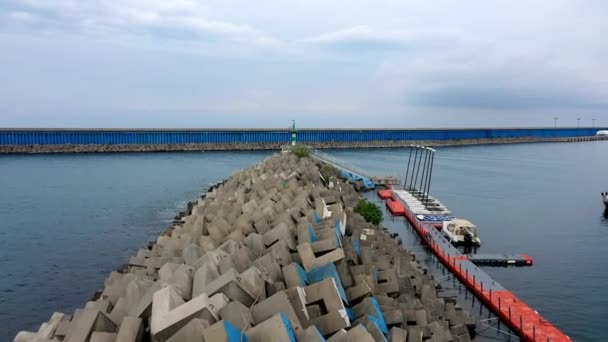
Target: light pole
{"points": [[593, 122], [578, 122], [555, 122]]}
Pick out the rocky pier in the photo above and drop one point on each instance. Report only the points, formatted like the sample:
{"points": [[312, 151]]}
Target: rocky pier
{"points": [[273, 253]]}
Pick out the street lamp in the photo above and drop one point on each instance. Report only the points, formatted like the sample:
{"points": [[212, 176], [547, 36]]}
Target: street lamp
{"points": [[578, 122], [593, 122], [555, 121]]}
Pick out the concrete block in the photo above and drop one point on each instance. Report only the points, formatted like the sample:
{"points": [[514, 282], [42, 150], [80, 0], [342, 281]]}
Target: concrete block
{"points": [[237, 314], [310, 261], [179, 277], [270, 267], [192, 253], [144, 303], [441, 332], [223, 331], [294, 275], [120, 310], [371, 325], [414, 333], [131, 330], [369, 307], [297, 297], [47, 330], [331, 322], [88, 322], [103, 337], [170, 313], [274, 287], [207, 244], [358, 333], [327, 271], [25, 336], [192, 331], [278, 303], [63, 327], [244, 287], [397, 335], [281, 253], [276, 328], [338, 335], [333, 314], [310, 334], [255, 242], [280, 232]]}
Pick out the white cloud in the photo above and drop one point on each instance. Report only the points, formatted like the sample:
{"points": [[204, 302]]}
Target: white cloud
{"points": [[23, 16]]}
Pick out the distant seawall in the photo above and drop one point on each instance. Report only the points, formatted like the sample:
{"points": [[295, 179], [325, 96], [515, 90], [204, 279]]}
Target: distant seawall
{"points": [[149, 140]]}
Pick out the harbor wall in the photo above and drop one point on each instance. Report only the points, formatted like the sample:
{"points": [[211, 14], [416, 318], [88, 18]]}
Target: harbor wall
{"points": [[147, 140]]}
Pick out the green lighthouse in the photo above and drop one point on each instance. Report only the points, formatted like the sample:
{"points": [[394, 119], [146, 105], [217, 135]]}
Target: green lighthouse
{"points": [[293, 133]]}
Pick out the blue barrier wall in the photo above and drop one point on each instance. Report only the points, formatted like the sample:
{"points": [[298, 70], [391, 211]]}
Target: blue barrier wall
{"points": [[143, 136]]}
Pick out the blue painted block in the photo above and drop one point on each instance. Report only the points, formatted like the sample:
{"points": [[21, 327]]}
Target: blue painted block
{"points": [[311, 232], [378, 318], [292, 336], [327, 271], [357, 246], [234, 334], [302, 274]]}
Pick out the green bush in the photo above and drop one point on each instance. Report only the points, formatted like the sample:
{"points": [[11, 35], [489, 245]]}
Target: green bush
{"points": [[369, 211], [328, 172], [300, 151]]}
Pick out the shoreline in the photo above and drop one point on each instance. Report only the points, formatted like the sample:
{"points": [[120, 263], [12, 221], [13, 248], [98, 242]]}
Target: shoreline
{"points": [[275, 241], [119, 148]]}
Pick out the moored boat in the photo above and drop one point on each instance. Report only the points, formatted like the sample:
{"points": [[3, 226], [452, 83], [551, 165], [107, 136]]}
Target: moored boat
{"points": [[458, 231]]}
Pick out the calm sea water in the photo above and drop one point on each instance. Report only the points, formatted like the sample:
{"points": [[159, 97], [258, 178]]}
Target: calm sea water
{"points": [[66, 221]]}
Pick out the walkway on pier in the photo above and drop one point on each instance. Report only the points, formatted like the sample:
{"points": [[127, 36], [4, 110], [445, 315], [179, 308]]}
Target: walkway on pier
{"points": [[352, 172]]}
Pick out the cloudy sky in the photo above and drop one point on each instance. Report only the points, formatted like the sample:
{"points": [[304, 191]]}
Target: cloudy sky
{"points": [[237, 63]]}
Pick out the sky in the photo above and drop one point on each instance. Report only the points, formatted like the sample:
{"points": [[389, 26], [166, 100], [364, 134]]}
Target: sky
{"points": [[342, 64]]}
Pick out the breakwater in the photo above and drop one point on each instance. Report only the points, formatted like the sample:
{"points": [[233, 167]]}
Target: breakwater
{"points": [[152, 140], [272, 253]]}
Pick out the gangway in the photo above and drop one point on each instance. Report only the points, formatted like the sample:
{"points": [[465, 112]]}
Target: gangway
{"points": [[351, 172]]}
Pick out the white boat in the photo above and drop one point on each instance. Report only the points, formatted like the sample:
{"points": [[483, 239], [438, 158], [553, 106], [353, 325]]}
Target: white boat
{"points": [[605, 199], [601, 133], [457, 229]]}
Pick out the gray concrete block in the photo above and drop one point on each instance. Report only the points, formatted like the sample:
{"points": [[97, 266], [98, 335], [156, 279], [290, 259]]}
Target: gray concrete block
{"points": [[414, 334], [103, 337], [310, 334], [294, 275], [25, 336], [237, 314], [331, 322], [278, 303], [397, 335], [280, 232], [179, 277], [47, 330], [270, 267], [131, 330], [371, 328], [244, 287], [275, 328], [192, 331], [192, 253], [310, 261], [120, 310], [87, 322], [255, 242], [222, 331], [170, 313]]}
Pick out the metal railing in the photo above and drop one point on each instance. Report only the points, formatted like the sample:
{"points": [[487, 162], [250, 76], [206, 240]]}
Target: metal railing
{"points": [[342, 164]]}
